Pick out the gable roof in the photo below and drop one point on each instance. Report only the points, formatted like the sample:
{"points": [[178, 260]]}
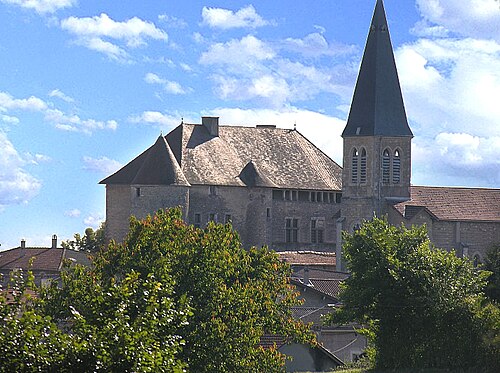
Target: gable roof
{"points": [[454, 204], [377, 107], [238, 156], [308, 258], [45, 259], [156, 166]]}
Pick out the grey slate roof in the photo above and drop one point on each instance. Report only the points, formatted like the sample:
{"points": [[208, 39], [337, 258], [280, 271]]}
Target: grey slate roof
{"points": [[281, 157], [453, 204], [239, 156], [377, 107], [156, 166]]}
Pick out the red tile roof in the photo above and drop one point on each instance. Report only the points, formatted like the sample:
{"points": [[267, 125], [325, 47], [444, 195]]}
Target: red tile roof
{"points": [[457, 204], [45, 259]]}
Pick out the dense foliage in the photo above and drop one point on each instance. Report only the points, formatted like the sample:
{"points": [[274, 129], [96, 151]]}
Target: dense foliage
{"points": [[171, 298], [492, 264], [423, 307]]}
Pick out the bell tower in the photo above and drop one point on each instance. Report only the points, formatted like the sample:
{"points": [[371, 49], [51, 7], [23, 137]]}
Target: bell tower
{"points": [[377, 138]]}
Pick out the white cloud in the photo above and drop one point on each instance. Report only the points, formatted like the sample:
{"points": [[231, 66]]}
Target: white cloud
{"points": [[94, 221], [36, 158], [473, 18], [59, 94], [243, 53], [16, 184], [43, 6], [172, 21], [102, 165], [74, 123], [7, 102], [316, 45], [100, 33], [9, 119], [246, 17], [157, 118], [74, 213], [169, 86]]}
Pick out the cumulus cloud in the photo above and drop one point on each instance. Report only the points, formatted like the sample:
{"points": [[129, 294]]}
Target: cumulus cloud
{"points": [[250, 68], [156, 118], [74, 123], [7, 102], [59, 94], [101, 33], [316, 45], [17, 186], [474, 18], [43, 6], [168, 85], [9, 119], [225, 19], [102, 165]]}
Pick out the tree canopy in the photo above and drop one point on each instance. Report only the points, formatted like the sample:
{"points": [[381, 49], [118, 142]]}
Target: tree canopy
{"points": [[92, 240], [171, 297], [423, 307]]}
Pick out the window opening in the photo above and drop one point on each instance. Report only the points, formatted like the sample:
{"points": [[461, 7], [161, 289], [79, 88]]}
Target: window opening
{"points": [[197, 220], [228, 219], [362, 173], [354, 166], [386, 166], [212, 190], [291, 229], [396, 167], [317, 230]]}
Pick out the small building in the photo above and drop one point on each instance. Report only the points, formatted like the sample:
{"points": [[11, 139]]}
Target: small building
{"points": [[46, 263]]}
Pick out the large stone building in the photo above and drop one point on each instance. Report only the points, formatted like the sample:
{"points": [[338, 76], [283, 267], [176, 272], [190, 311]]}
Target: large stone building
{"points": [[279, 189]]}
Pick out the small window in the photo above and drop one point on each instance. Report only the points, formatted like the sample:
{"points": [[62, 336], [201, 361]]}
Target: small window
{"points": [[317, 230], [477, 260], [228, 219], [277, 195], [338, 197], [291, 230], [197, 220], [212, 190], [268, 213], [386, 166], [295, 195], [212, 217], [137, 192]]}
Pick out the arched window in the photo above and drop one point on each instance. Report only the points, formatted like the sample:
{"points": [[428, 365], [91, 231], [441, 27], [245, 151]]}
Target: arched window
{"points": [[354, 166], [362, 171], [396, 167], [386, 166]]}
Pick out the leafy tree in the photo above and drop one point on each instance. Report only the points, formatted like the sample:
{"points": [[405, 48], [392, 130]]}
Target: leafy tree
{"points": [[492, 264], [423, 307], [171, 298], [91, 241], [236, 295]]}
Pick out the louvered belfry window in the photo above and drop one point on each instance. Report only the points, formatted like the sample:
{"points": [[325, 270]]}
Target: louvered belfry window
{"points": [[386, 166], [396, 167], [362, 171], [354, 166]]}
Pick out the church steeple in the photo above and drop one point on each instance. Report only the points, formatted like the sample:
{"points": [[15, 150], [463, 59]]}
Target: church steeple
{"points": [[377, 107]]}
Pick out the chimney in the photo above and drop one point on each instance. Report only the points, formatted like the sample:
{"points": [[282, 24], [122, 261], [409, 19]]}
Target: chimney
{"points": [[23, 244], [54, 241], [211, 124], [22, 251]]}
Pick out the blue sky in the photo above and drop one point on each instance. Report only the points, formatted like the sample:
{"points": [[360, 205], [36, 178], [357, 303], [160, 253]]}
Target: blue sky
{"points": [[85, 86]]}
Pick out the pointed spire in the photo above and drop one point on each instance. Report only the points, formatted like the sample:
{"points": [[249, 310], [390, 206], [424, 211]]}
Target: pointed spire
{"points": [[160, 167], [377, 107]]}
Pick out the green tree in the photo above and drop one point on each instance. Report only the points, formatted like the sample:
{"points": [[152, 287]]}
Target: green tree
{"points": [[423, 307], [492, 264], [236, 295], [92, 240]]}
